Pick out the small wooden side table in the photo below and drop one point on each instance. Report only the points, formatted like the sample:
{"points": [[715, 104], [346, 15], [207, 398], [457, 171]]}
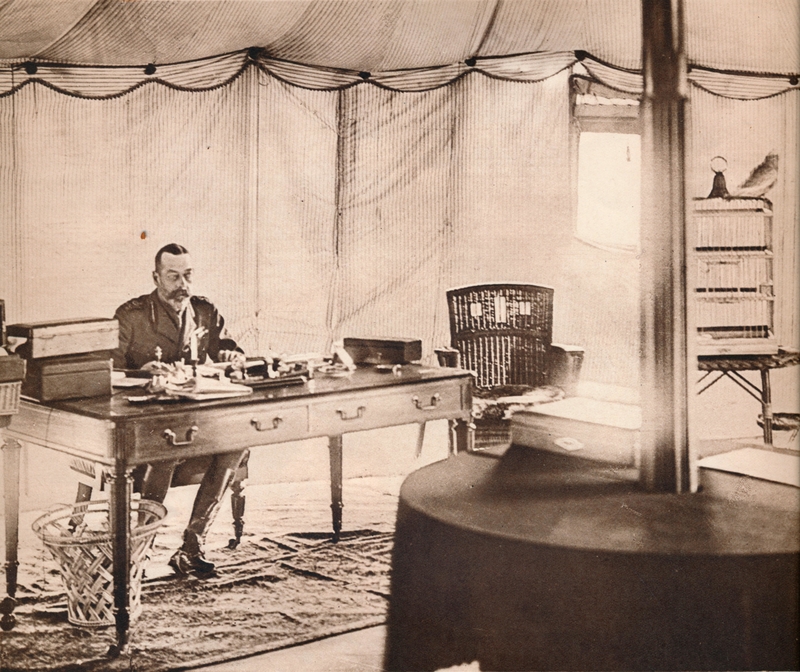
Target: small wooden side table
{"points": [[731, 365]]}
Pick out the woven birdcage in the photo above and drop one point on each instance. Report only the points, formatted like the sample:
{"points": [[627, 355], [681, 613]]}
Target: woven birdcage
{"points": [[79, 538]]}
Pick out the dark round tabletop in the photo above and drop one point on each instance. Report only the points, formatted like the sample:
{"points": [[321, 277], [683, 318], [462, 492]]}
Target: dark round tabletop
{"points": [[529, 560]]}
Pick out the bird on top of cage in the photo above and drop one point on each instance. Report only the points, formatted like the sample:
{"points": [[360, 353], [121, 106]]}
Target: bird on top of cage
{"points": [[761, 179]]}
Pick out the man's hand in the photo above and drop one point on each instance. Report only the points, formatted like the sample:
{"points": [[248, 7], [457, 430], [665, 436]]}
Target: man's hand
{"points": [[235, 358], [156, 367]]}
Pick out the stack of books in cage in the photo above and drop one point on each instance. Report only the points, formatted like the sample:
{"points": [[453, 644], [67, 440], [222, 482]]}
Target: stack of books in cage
{"points": [[734, 273]]}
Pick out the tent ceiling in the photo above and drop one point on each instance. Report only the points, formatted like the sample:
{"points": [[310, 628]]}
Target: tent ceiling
{"points": [[381, 35]]}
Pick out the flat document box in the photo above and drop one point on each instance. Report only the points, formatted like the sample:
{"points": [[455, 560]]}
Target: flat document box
{"points": [[68, 337], [383, 350], [596, 430], [67, 378]]}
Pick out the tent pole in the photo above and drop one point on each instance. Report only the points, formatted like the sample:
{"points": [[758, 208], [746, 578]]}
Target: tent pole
{"points": [[664, 357], [344, 130]]}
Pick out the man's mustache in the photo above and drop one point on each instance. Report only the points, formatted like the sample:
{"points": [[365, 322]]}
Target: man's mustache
{"points": [[178, 294]]}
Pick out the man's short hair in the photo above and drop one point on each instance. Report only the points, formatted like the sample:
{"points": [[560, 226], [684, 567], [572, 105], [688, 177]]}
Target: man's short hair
{"points": [[172, 248]]}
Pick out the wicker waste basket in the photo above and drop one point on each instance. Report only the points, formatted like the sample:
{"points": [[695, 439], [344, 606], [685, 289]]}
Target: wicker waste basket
{"points": [[9, 397], [78, 537]]}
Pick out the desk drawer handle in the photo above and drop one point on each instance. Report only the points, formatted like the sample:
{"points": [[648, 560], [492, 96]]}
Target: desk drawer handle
{"points": [[276, 421], [435, 399], [359, 413], [170, 436]]}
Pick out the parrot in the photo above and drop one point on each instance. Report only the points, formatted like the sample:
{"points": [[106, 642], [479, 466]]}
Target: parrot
{"points": [[761, 179]]}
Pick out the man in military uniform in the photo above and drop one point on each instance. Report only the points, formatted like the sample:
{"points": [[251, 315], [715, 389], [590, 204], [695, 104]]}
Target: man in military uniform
{"points": [[184, 328]]}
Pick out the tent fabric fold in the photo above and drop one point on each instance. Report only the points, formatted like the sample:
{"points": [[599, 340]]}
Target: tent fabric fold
{"points": [[383, 35], [389, 35], [105, 82], [210, 73]]}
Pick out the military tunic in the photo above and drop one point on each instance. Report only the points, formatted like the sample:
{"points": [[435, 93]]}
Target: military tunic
{"points": [[147, 322]]}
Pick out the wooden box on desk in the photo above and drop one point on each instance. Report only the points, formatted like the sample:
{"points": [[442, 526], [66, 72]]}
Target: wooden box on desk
{"points": [[587, 428], [66, 337], [383, 350], [68, 377]]}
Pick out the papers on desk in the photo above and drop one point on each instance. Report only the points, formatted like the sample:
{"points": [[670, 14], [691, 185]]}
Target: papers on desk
{"points": [[194, 389], [119, 379], [129, 382], [200, 388], [177, 381]]}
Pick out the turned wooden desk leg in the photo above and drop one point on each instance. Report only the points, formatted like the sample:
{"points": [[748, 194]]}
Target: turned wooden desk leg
{"points": [[120, 519], [11, 451], [766, 407], [335, 452]]}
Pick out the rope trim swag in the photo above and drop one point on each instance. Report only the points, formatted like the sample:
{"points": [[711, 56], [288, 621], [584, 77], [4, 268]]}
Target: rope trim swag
{"points": [[108, 82]]}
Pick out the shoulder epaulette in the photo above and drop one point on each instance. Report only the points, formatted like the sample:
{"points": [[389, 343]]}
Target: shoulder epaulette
{"points": [[139, 303]]}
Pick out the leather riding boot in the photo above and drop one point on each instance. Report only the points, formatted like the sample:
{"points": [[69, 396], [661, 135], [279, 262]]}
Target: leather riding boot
{"points": [[208, 500], [189, 557], [206, 504], [157, 479], [156, 482]]}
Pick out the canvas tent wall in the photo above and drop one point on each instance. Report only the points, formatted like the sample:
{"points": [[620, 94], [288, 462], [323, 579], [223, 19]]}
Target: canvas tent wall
{"points": [[335, 165]]}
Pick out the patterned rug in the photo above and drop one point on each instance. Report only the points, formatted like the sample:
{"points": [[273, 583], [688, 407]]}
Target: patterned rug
{"points": [[290, 586]]}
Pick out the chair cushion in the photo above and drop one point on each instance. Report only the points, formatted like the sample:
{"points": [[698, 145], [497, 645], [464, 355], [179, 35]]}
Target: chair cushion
{"points": [[502, 402]]}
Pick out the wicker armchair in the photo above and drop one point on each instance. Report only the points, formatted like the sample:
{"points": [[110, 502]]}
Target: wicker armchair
{"points": [[503, 332]]}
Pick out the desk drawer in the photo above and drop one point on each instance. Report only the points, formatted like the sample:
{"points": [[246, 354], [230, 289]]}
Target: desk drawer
{"points": [[189, 433], [382, 408]]}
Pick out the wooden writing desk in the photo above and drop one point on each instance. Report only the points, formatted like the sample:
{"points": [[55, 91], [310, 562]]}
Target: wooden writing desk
{"points": [[118, 434]]}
